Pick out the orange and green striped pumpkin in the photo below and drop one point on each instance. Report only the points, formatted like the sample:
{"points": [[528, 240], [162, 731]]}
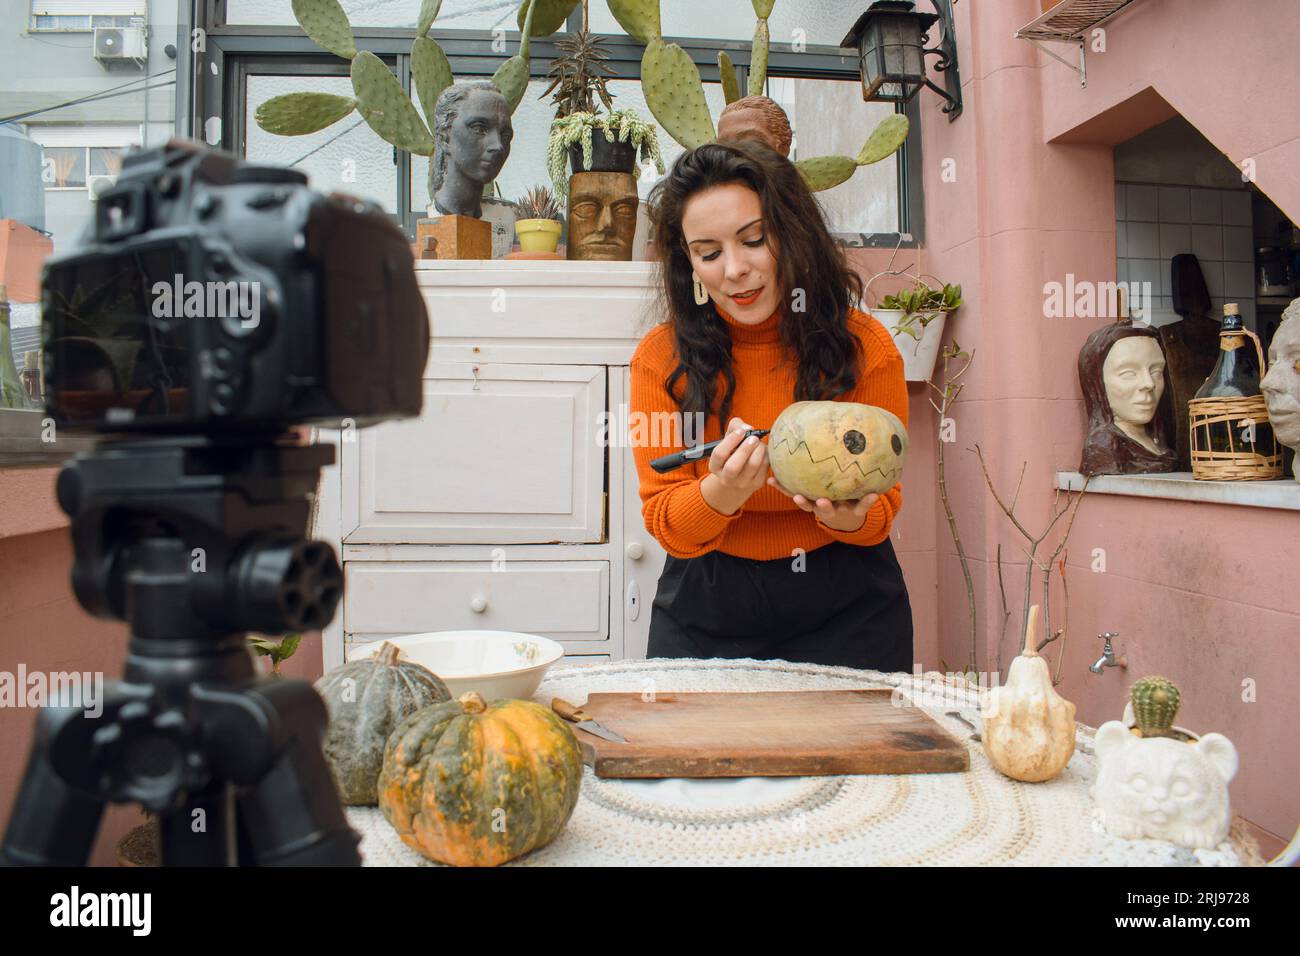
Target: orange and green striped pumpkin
{"points": [[469, 783]]}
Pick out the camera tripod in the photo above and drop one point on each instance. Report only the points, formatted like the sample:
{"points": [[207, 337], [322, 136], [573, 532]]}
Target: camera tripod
{"points": [[192, 540]]}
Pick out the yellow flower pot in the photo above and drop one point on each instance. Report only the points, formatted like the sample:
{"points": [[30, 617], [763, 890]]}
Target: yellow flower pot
{"points": [[538, 235]]}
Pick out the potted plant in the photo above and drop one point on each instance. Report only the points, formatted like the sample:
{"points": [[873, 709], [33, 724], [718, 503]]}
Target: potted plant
{"points": [[623, 137], [916, 318], [539, 221]]}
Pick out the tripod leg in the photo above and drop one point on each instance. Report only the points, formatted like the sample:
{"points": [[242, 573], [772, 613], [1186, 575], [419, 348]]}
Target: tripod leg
{"points": [[199, 832], [52, 824], [288, 810]]}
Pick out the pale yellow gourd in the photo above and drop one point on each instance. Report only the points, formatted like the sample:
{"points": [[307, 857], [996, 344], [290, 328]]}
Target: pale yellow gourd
{"points": [[1028, 727]]}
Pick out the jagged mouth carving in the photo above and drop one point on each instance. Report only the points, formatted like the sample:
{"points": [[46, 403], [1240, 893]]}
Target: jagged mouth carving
{"points": [[890, 475]]}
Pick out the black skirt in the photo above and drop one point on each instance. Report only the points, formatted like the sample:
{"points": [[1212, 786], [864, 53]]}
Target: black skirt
{"points": [[848, 606]]}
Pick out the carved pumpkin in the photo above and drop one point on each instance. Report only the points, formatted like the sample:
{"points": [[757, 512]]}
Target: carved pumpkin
{"points": [[366, 700], [1028, 727], [837, 450], [476, 784]]}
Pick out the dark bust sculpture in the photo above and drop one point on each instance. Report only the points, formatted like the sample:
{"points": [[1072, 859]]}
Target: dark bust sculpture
{"points": [[472, 133], [1130, 412]]}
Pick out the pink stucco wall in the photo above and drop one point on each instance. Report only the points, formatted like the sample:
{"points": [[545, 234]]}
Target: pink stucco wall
{"points": [[1203, 594]]}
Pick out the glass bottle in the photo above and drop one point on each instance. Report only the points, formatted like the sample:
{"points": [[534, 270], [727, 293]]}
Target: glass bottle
{"points": [[1236, 373]]}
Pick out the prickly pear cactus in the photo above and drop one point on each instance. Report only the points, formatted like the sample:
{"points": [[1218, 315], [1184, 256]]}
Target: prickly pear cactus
{"points": [[428, 13], [640, 18], [326, 23], [727, 73], [430, 73], [550, 16], [758, 59], [386, 106], [675, 94], [296, 114], [825, 172], [885, 140], [1155, 702]]}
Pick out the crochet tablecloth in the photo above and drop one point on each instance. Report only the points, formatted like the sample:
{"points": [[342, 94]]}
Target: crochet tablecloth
{"points": [[979, 817]]}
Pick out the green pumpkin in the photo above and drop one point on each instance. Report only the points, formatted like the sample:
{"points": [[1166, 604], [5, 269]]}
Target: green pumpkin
{"points": [[366, 700], [476, 784]]}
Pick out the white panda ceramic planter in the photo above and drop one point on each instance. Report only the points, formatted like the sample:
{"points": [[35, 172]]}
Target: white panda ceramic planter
{"points": [[1162, 788]]}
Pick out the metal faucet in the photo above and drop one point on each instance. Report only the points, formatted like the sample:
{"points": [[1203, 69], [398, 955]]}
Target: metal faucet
{"points": [[1108, 658]]}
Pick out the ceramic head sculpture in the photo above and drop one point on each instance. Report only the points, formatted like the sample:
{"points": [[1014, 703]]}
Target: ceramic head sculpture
{"points": [[1121, 373], [1281, 386], [757, 117], [602, 216], [1161, 788], [472, 133]]}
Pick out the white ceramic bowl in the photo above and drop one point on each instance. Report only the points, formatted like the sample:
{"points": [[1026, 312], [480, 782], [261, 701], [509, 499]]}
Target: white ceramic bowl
{"points": [[494, 663]]}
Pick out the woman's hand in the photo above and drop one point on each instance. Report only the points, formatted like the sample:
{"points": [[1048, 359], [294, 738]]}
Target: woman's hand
{"points": [[840, 515], [736, 469]]}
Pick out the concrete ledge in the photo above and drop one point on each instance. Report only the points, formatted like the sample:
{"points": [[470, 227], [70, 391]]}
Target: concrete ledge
{"points": [[1284, 493]]}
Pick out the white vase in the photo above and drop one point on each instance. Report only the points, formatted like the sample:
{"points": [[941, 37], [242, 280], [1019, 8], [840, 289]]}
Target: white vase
{"points": [[919, 355]]}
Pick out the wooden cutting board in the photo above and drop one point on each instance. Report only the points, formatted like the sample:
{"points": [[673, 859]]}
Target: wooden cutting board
{"points": [[772, 734]]}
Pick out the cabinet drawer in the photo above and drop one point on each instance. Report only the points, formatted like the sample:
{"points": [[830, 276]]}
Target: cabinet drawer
{"points": [[562, 600], [500, 454]]}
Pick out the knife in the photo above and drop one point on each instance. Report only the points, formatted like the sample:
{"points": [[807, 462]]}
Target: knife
{"points": [[584, 720]]}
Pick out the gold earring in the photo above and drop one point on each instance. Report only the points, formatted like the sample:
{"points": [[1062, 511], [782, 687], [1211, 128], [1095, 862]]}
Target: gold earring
{"points": [[701, 293]]}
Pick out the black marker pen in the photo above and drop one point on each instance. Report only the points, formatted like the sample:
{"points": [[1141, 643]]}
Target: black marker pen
{"points": [[669, 462]]}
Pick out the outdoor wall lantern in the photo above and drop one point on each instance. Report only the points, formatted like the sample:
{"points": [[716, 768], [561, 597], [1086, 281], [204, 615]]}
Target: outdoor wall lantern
{"points": [[890, 39]]}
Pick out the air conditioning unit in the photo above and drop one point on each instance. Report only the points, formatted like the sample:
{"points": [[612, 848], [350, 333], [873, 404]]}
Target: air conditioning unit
{"points": [[97, 184], [116, 44]]}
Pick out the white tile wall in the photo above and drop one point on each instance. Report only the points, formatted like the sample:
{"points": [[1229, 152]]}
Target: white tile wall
{"points": [[1155, 223]]}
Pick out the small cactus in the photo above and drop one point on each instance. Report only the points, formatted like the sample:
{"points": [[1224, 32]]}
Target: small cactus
{"points": [[538, 203], [1155, 702]]}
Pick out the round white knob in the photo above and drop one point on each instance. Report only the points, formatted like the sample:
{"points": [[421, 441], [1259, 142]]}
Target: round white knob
{"points": [[635, 550], [479, 603]]}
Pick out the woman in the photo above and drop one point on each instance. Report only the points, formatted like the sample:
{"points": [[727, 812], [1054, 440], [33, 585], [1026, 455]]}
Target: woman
{"points": [[759, 301]]}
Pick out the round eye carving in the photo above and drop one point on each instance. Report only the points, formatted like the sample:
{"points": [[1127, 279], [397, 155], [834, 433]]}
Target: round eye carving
{"points": [[855, 441], [1181, 788], [1138, 783], [896, 443]]}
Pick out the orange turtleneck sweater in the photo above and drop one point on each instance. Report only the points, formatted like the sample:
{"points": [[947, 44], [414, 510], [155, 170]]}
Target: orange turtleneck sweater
{"points": [[769, 525]]}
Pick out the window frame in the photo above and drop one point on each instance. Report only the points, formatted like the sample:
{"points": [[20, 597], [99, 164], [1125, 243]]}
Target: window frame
{"points": [[238, 51]]}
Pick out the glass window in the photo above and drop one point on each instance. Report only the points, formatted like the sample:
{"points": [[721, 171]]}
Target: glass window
{"points": [[808, 22], [400, 14], [526, 166], [64, 167], [105, 160], [54, 155], [868, 202], [348, 156]]}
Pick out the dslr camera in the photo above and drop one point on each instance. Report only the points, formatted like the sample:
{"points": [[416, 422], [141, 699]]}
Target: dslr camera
{"points": [[213, 295]]}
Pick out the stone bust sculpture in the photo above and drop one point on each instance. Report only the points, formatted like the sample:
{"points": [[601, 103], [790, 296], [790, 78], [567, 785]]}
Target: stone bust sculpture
{"points": [[1281, 386], [757, 117], [1121, 373], [472, 133]]}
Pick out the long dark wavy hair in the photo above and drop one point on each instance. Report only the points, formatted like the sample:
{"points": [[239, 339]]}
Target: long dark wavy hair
{"points": [[807, 258]]}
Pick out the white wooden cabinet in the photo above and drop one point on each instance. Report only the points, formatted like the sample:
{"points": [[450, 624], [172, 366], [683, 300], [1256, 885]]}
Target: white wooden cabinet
{"points": [[512, 502]]}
